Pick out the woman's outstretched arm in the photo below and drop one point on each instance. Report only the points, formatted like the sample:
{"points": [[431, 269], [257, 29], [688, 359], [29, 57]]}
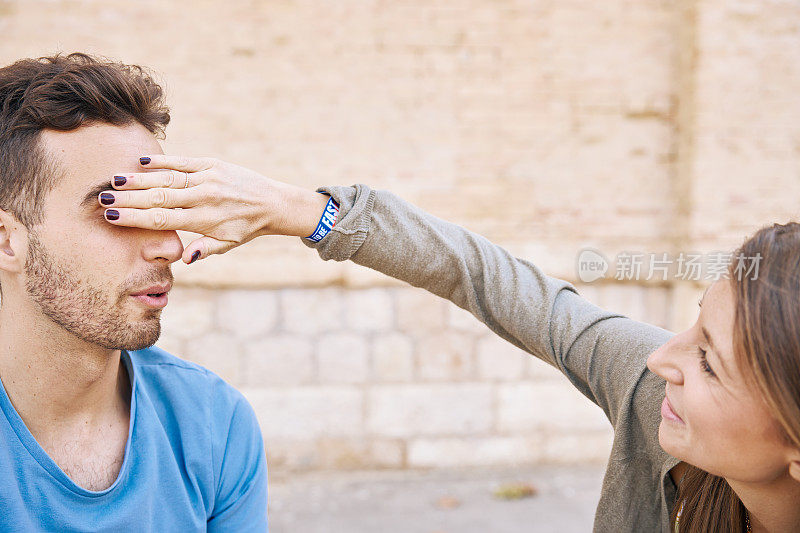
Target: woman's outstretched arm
{"points": [[602, 353]]}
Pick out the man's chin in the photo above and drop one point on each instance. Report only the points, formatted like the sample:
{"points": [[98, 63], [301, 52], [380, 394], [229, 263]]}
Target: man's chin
{"points": [[138, 346], [134, 338]]}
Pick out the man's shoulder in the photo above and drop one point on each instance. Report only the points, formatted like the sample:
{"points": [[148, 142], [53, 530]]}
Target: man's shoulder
{"points": [[178, 381], [209, 425]]}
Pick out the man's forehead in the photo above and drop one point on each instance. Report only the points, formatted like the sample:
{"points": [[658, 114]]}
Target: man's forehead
{"points": [[91, 154]]}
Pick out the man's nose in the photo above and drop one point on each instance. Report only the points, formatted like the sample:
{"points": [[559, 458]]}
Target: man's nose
{"points": [[665, 361], [163, 246]]}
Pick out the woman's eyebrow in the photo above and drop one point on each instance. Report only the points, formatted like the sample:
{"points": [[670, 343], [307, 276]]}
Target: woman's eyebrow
{"points": [[91, 196], [699, 303]]}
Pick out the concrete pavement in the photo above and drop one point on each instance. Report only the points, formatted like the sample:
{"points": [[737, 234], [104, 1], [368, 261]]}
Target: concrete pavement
{"points": [[440, 501]]}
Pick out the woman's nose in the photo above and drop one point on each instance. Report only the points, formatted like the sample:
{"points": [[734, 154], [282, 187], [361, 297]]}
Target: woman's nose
{"points": [[666, 362]]}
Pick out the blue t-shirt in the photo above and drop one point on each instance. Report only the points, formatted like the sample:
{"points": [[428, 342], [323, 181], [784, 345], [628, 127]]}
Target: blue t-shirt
{"points": [[194, 461]]}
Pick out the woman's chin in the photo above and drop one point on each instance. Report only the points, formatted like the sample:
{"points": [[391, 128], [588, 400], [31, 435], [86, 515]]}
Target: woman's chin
{"points": [[669, 441]]}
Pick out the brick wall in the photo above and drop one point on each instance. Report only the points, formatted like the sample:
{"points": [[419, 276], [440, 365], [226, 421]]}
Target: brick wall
{"points": [[546, 125]]}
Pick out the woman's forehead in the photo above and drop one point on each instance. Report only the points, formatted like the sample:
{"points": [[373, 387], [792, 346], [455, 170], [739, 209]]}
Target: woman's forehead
{"points": [[719, 296]]}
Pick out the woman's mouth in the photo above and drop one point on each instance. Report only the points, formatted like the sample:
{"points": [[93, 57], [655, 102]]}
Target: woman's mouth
{"points": [[668, 413]]}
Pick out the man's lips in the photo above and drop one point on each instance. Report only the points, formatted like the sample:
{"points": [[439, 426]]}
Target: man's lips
{"points": [[154, 296], [154, 290], [668, 412]]}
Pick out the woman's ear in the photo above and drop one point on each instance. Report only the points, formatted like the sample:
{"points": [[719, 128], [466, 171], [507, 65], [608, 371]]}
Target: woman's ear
{"points": [[794, 468], [13, 243]]}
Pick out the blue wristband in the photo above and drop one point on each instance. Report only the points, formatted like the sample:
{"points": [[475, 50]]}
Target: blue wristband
{"points": [[327, 221]]}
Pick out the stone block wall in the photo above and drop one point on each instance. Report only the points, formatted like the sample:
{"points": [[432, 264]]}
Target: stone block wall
{"points": [[391, 377]]}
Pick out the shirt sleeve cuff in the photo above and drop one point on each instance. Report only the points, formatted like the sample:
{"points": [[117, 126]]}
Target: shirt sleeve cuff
{"points": [[351, 229]]}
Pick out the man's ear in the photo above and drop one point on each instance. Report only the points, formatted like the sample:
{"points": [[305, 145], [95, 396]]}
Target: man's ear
{"points": [[13, 243]]}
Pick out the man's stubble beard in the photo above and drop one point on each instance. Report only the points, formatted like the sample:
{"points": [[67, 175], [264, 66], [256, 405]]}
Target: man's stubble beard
{"points": [[82, 309]]}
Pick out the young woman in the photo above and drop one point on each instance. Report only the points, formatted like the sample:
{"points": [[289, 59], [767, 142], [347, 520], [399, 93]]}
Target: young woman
{"points": [[706, 422]]}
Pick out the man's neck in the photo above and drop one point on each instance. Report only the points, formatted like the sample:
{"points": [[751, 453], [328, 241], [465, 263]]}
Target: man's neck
{"points": [[772, 507], [54, 379]]}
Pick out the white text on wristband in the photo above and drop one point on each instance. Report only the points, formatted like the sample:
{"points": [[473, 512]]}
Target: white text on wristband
{"points": [[327, 221]]}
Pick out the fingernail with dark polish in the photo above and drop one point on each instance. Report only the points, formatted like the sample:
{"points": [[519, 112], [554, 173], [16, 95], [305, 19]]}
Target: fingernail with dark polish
{"points": [[112, 214], [106, 198], [119, 181], [195, 256], [144, 160]]}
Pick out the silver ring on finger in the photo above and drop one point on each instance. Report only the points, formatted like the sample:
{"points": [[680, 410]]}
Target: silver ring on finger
{"points": [[186, 184]]}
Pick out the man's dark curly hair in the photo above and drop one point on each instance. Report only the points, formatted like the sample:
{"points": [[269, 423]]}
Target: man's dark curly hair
{"points": [[63, 93]]}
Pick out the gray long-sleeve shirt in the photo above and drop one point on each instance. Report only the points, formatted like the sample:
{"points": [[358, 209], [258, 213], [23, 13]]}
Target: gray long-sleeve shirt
{"points": [[603, 354]]}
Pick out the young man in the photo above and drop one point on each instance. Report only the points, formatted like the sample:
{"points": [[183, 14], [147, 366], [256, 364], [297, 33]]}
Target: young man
{"points": [[98, 429]]}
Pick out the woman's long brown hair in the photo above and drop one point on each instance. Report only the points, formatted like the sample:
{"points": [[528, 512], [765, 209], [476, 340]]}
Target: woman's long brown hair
{"points": [[766, 345]]}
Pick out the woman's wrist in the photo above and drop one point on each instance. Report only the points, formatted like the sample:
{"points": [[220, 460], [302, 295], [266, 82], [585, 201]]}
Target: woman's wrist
{"points": [[301, 212], [326, 221]]}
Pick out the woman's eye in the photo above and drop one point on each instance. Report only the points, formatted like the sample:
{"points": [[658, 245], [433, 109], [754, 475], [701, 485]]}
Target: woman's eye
{"points": [[704, 363]]}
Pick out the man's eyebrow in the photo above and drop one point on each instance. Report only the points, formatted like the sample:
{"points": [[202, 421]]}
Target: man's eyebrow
{"points": [[91, 196], [714, 347]]}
